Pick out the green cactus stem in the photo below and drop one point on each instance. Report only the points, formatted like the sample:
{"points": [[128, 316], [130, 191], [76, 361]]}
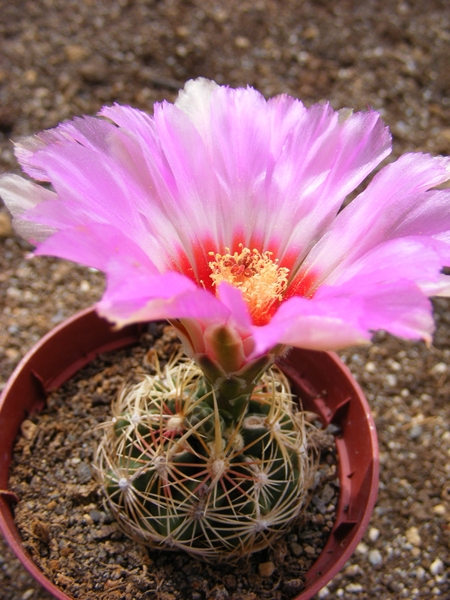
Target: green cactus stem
{"points": [[179, 474]]}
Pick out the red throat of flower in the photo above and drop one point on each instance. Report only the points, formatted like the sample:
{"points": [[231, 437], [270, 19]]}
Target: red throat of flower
{"points": [[260, 279]]}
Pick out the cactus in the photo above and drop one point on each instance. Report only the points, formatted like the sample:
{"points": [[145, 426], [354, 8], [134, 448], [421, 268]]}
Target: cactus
{"points": [[181, 473]]}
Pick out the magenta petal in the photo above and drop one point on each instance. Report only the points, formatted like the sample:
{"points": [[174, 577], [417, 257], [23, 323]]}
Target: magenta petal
{"points": [[324, 158], [135, 290], [149, 157], [402, 310], [86, 131], [168, 296], [327, 325], [97, 245], [428, 214], [27, 148], [387, 209], [93, 180], [343, 316], [399, 307], [232, 298], [417, 259], [179, 178]]}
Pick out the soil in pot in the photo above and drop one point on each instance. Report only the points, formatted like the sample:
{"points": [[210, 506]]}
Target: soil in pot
{"points": [[74, 539]]}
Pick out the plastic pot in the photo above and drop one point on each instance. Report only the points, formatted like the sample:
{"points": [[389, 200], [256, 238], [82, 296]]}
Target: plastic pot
{"points": [[320, 379]]}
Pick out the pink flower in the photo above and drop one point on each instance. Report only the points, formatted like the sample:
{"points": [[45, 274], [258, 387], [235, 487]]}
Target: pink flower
{"points": [[222, 212]]}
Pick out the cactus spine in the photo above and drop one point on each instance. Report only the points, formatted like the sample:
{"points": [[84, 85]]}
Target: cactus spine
{"points": [[180, 472]]}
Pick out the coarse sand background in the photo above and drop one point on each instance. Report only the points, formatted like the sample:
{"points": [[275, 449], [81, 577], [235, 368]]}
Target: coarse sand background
{"points": [[61, 58]]}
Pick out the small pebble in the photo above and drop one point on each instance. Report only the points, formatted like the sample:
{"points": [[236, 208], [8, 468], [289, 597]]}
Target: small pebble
{"points": [[84, 472], [439, 368], [296, 549], [391, 380], [436, 591], [219, 593], [437, 567], [439, 509], [75, 52], [95, 515], [13, 292], [183, 31], [27, 594], [28, 429], [420, 572], [327, 494], [362, 548], [85, 286], [354, 588], [94, 70], [324, 593], [413, 536], [12, 354], [395, 366], [292, 586], [353, 570], [374, 534], [415, 432], [242, 42], [375, 557], [266, 569]]}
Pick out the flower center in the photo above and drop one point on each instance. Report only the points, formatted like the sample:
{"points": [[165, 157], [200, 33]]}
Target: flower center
{"points": [[260, 279]]}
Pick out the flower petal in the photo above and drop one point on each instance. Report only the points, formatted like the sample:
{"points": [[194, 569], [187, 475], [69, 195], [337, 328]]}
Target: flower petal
{"points": [[178, 180], [323, 160], [343, 316], [21, 195], [96, 245], [167, 296], [195, 101], [394, 204], [417, 259], [325, 325], [232, 298], [87, 131], [400, 307]]}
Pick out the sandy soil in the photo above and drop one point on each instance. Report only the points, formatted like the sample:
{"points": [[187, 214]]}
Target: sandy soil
{"points": [[61, 58]]}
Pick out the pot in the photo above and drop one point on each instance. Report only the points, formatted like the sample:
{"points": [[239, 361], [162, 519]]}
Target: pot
{"points": [[321, 381]]}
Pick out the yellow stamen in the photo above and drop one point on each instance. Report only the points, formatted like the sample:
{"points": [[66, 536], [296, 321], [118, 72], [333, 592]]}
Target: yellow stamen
{"points": [[260, 279]]}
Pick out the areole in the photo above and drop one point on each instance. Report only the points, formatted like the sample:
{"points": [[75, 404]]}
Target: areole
{"points": [[323, 384]]}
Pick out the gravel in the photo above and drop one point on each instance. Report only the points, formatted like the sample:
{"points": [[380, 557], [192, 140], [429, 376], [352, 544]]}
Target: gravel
{"points": [[62, 58]]}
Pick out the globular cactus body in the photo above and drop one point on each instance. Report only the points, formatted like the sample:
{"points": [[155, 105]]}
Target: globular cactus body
{"points": [[180, 473]]}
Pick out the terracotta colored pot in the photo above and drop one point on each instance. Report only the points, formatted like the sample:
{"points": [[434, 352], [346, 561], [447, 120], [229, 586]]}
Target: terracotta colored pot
{"points": [[323, 383]]}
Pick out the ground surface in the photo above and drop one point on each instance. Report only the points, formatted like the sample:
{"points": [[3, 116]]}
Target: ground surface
{"points": [[63, 57]]}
